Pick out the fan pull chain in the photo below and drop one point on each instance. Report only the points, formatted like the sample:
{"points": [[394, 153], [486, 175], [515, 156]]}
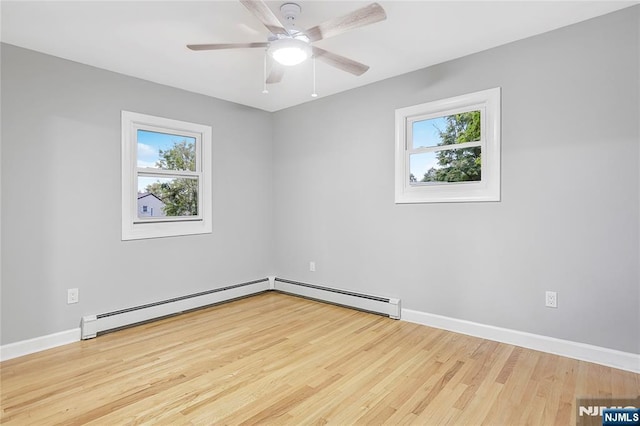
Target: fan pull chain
{"points": [[264, 76], [314, 94]]}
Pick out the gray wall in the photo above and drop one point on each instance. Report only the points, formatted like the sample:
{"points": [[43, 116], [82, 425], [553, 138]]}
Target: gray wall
{"points": [[569, 215], [61, 196]]}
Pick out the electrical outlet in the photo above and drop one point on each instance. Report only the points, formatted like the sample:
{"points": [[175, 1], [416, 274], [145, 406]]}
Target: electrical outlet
{"points": [[72, 296], [551, 299], [312, 266]]}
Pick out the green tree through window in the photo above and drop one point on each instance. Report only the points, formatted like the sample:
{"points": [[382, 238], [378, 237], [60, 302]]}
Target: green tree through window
{"points": [[458, 165], [180, 195]]}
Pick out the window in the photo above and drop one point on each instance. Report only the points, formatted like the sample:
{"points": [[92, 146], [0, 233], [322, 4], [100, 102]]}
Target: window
{"points": [[449, 150], [166, 170]]}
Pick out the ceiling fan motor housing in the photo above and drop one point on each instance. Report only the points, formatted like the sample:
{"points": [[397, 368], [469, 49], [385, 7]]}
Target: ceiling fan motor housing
{"points": [[290, 12]]}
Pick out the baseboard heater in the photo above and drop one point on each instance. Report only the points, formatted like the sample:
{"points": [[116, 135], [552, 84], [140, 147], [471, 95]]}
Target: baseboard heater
{"points": [[92, 325], [365, 302]]}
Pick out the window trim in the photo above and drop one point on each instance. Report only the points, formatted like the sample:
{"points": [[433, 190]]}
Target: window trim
{"points": [[134, 227], [488, 188]]}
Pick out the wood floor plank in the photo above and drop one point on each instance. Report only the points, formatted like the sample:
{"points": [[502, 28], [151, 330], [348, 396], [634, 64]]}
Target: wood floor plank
{"points": [[277, 359]]}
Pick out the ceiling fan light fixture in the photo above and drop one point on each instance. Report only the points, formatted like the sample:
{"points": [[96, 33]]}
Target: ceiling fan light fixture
{"points": [[289, 51]]}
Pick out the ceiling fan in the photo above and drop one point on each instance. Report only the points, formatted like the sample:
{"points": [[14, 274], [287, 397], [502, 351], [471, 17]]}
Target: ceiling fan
{"points": [[289, 45]]}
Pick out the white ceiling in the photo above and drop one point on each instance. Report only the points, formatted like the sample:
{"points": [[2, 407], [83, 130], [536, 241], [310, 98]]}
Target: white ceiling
{"points": [[147, 39]]}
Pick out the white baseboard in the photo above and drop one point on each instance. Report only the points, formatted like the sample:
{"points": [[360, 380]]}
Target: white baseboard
{"points": [[581, 351], [26, 347]]}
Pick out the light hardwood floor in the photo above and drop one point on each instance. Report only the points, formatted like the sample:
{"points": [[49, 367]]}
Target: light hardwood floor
{"points": [[279, 359]]}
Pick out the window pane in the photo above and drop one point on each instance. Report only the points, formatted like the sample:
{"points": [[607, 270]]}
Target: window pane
{"points": [[420, 165], [165, 196], [166, 151], [447, 130], [452, 165]]}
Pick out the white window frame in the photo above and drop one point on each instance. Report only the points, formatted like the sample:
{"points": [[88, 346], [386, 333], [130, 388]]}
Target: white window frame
{"points": [[134, 227], [488, 188]]}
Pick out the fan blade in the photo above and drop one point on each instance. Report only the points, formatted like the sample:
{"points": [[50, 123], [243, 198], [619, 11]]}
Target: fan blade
{"points": [[276, 73], [340, 62], [261, 11], [356, 19], [218, 46]]}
